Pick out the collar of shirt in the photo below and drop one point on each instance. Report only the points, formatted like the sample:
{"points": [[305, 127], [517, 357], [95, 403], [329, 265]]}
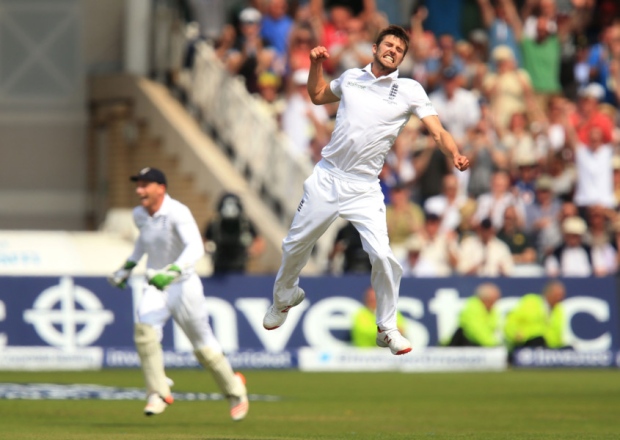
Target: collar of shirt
{"points": [[164, 208], [368, 69]]}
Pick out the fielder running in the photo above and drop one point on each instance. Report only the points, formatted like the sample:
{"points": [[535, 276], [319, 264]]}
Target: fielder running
{"points": [[374, 106], [171, 239]]}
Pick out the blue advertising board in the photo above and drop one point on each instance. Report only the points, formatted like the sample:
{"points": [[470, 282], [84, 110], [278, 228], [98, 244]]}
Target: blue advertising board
{"points": [[78, 312]]}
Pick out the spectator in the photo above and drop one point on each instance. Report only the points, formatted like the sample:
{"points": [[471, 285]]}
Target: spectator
{"points": [[276, 26], [474, 67], [525, 178], [519, 142], [520, 244], [268, 88], [445, 58], [404, 218], [479, 320], [348, 247], [231, 238], [542, 215], [588, 114], [573, 258], [302, 40], [558, 130], [595, 184], [541, 51], [484, 254], [486, 156], [601, 61], [493, 204], [414, 265], [447, 205], [423, 47], [364, 328], [430, 168], [439, 249], [538, 320], [331, 27], [457, 106], [496, 20], [251, 54], [356, 51], [302, 121], [466, 227], [563, 176], [599, 238], [509, 90]]}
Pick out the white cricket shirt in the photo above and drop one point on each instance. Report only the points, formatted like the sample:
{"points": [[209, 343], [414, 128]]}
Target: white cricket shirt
{"points": [[371, 114], [170, 236]]}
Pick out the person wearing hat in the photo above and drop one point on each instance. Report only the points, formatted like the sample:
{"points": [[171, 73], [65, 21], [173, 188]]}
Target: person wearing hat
{"points": [[538, 320], [572, 258], [171, 240], [413, 265], [588, 114], [231, 238], [479, 319], [542, 215], [509, 88], [484, 254], [404, 217], [251, 54]]}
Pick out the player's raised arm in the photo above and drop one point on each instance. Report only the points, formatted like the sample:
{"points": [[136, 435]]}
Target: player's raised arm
{"points": [[445, 142], [318, 88]]}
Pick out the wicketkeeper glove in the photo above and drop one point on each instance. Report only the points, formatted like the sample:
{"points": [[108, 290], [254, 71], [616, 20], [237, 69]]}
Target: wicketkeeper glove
{"points": [[120, 277], [163, 278]]}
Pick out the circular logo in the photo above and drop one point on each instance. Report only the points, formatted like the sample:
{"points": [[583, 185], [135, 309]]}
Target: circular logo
{"points": [[68, 316]]}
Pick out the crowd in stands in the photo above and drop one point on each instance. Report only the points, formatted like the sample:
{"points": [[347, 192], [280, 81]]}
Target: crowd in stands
{"points": [[529, 89]]}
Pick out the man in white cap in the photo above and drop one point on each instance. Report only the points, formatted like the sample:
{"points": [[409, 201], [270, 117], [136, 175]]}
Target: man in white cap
{"points": [[588, 114], [572, 258], [171, 239], [375, 104]]}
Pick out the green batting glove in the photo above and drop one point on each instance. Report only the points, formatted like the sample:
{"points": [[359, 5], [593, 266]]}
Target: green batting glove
{"points": [[120, 277], [163, 278]]}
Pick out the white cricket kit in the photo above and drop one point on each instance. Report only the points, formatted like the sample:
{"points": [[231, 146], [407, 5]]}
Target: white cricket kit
{"points": [[171, 236], [345, 183]]}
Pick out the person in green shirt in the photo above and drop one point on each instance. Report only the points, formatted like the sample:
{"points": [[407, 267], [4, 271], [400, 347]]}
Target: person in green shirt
{"points": [[478, 320], [364, 329], [538, 320]]}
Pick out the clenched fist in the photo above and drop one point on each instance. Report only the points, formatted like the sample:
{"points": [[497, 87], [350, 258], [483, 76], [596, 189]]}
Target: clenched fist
{"points": [[461, 162], [319, 54]]}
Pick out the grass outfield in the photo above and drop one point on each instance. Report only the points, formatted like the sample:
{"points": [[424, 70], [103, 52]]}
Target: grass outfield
{"points": [[550, 404]]}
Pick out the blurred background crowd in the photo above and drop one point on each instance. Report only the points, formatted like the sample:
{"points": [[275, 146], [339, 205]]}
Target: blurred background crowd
{"points": [[529, 89]]}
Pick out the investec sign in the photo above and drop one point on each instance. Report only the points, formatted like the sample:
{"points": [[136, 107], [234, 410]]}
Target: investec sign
{"points": [[73, 313]]}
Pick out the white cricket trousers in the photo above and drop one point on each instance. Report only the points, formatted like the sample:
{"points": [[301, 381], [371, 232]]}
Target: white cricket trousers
{"points": [[185, 302], [328, 194]]}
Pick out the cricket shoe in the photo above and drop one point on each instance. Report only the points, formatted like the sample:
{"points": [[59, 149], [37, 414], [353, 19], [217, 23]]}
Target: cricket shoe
{"points": [[239, 405], [275, 318], [397, 343], [156, 405]]}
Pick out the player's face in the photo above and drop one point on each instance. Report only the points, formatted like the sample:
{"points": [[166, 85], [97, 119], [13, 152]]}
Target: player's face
{"points": [[389, 53], [151, 195]]}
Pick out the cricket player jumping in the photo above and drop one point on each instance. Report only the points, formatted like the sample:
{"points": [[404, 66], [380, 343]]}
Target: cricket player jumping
{"points": [[171, 239], [374, 106]]}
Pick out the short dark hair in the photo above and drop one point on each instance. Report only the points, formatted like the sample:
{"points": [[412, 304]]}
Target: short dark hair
{"points": [[397, 31]]}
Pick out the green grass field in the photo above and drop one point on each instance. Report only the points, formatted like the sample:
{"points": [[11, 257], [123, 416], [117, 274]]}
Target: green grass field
{"points": [[550, 404]]}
